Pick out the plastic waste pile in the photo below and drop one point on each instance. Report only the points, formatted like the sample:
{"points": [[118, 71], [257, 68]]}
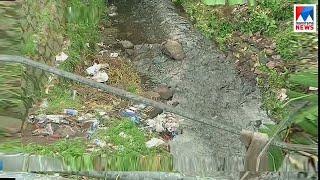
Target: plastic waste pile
{"points": [[165, 123], [64, 125], [97, 74], [43, 123]]}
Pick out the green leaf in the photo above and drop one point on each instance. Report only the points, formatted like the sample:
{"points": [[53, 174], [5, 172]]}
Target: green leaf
{"points": [[307, 119], [270, 129], [312, 98], [214, 2], [305, 78], [276, 157], [234, 2], [301, 138], [252, 2]]}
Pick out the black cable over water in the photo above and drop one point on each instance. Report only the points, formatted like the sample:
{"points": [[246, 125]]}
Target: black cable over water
{"points": [[130, 96]]}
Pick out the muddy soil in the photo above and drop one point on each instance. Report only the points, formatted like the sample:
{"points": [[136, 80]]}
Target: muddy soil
{"points": [[206, 84]]}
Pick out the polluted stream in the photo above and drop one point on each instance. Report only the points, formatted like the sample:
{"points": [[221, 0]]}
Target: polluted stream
{"points": [[204, 81]]}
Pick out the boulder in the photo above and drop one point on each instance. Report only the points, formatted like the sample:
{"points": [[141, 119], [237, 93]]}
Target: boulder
{"points": [[174, 50], [165, 92], [126, 44]]}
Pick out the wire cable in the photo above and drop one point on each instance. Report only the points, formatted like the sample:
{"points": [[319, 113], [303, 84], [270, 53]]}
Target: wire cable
{"points": [[130, 96]]}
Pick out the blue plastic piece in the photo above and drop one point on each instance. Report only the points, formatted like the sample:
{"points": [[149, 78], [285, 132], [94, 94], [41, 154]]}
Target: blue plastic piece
{"points": [[1, 165], [131, 115]]}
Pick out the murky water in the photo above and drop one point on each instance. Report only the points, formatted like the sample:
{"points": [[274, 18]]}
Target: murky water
{"points": [[131, 25]]}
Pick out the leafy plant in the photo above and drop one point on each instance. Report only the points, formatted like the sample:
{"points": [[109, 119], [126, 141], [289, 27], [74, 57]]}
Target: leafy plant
{"points": [[229, 2], [59, 98], [220, 29], [133, 89], [287, 44], [30, 46], [82, 27], [308, 118], [303, 127], [305, 79], [270, 84], [280, 10]]}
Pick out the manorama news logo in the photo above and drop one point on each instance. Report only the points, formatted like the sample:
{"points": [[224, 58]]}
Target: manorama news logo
{"points": [[305, 18]]}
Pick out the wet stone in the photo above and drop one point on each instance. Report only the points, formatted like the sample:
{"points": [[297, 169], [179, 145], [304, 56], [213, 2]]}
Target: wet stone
{"points": [[129, 52], [174, 50], [165, 92], [126, 44]]}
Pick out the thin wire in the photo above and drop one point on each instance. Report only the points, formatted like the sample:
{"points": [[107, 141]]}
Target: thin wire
{"points": [[134, 97]]}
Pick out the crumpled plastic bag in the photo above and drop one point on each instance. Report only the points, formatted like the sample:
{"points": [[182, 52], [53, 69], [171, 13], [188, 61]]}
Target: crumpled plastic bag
{"points": [[101, 77], [132, 115], [154, 142], [61, 57], [164, 121]]}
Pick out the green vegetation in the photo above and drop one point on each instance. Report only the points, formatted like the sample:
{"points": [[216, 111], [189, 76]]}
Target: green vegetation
{"points": [[270, 18], [30, 46], [269, 86], [128, 149], [10, 103], [63, 148], [10, 74], [128, 138], [59, 98], [267, 26], [82, 27], [55, 27], [123, 75], [128, 153]]}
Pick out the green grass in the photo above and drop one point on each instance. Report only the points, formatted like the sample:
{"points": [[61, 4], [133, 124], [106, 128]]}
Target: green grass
{"points": [[133, 89], [74, 147], [71, 151], [10, 74], [60, 98], [11, 147], [134, 142], [67, 147], [82, 27], [288, 45], [259, 21], [269, 86], [131, 154], [30, 46], [272, 20], [10, 89]]}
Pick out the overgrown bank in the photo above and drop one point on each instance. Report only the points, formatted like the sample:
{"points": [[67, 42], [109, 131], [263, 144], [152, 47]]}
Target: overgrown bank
{"points": [[10, 74], [268, 53], [69, 35]]}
